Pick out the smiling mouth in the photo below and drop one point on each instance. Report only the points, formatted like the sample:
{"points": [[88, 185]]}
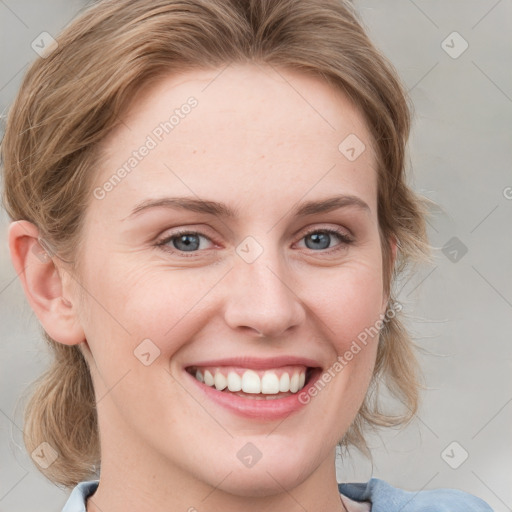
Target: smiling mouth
{"points": [[255, 384]]}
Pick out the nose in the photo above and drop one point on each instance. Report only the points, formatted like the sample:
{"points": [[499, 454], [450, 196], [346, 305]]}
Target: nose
{"points": [[262, 297]]}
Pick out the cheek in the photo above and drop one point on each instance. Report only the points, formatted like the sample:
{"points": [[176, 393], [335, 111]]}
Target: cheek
{"points": [[348, 300], [348, 309], [137, 302]]}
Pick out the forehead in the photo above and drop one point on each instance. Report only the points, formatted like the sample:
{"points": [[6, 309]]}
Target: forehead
{"points": [[234, 132]]}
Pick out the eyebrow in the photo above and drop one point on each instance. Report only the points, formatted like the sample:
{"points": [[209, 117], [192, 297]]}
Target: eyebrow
{"points": [[222, 210]]}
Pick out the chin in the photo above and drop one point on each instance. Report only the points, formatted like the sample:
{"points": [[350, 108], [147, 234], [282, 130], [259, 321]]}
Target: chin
{"points": [[268, 476], [265, 481]]}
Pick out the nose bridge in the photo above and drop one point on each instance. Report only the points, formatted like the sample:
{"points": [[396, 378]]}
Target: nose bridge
{"points": [[261, 295]]}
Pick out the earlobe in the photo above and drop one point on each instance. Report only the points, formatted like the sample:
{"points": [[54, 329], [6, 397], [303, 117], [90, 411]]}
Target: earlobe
{"points": [[42, 283]]}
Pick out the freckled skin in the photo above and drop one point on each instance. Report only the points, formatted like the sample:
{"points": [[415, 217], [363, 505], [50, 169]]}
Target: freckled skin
{"points": [[254, 144]]}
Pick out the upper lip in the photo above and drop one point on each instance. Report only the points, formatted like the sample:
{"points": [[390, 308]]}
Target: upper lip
{"points": [[259, 363]]}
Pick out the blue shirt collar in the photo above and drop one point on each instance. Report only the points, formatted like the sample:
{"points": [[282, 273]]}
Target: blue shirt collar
{"points": [[382, 496]]}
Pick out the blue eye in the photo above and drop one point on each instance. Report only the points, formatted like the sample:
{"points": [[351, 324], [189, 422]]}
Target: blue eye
{"points": [[316, 240], [185, 241], [321, 238]]}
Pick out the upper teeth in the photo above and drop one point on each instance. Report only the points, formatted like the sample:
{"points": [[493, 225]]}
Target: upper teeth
{"points": [[250, 382]]}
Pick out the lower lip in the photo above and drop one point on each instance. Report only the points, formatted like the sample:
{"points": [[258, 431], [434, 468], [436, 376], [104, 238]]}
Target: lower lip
{"points": [[272, 409]]}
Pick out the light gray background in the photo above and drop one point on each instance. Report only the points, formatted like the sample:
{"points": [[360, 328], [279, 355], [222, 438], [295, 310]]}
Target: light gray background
{"points": [[460, 312]]}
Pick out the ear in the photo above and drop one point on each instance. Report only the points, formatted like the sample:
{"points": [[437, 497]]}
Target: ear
{"points": [[43, 285]]}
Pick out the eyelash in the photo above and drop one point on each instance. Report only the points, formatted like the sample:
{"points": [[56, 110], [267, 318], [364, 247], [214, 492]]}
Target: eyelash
{"points": [[343, 237]]}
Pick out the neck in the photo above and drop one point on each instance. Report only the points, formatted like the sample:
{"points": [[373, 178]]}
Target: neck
{"points": [[136, 477]]}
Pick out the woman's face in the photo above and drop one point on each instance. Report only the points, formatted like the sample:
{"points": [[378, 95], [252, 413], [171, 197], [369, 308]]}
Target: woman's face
{"points": [[237, 258]]}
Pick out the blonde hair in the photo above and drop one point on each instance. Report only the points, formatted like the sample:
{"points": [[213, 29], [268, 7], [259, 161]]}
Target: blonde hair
{"points": [[71, 99]]}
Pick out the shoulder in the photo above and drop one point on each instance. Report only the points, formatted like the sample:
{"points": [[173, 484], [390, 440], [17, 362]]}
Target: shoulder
{"points": [[78, 497], [386, 498]]}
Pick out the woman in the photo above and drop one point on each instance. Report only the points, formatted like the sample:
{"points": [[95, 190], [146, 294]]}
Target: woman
{"points": [[209, 211]]}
